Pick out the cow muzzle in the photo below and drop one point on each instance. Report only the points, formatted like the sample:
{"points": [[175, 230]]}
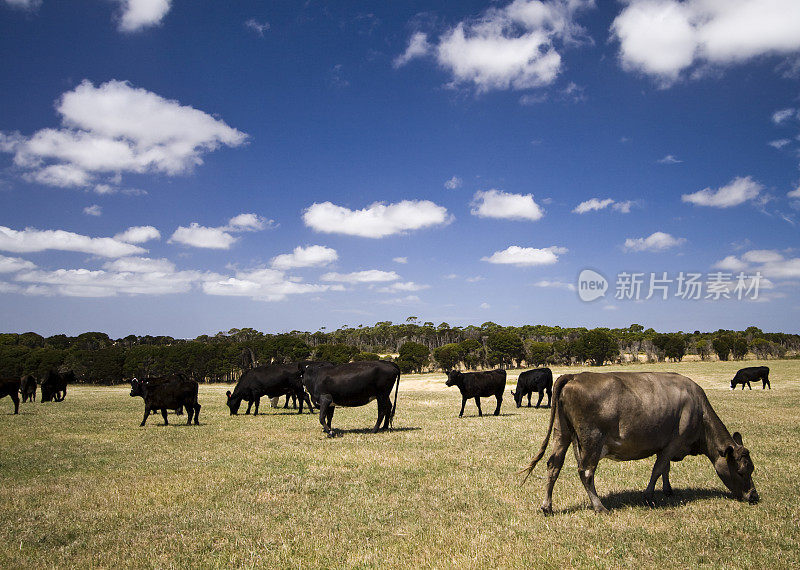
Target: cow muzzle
{"points": [[752, 496]]}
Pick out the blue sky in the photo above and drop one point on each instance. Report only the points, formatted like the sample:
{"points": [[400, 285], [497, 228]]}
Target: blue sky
{"points": [[182, 168]]}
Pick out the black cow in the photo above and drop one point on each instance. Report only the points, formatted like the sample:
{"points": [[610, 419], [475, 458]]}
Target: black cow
{"points": [[530, 381], [272, 381], [177, 391], [626, 416], [10, 387], [28, 388], [153, 380], [54, 386], [353, 384], [752, 374], [478, 385]]}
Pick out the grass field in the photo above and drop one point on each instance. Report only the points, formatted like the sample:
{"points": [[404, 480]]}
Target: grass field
{"points": [[82, 485]]}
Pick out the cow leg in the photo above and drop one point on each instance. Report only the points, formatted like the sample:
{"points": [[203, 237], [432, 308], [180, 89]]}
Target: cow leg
{"points": [[463, 403], [325, 402], [549, 396], [529, 399], [164, 413], [478, 403], [189, 414], [257, 401], [499, 396], [591, 449], [665, 481], [286, 403], [146, 415], [197, 414], [381, 413], [387, 418], [660, 469], [249, 404], [560, 445], [539, 401], [15, 398]]}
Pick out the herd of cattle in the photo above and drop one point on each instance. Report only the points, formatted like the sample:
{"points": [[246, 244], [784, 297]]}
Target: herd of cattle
{"points": [[619, 415]]}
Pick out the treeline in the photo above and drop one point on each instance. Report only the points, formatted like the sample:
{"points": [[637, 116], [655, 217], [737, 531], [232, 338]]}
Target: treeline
{"points": [[97, 358]]}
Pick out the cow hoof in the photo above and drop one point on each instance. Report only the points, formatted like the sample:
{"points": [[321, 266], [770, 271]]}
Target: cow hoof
{"points": [[547, 510]]}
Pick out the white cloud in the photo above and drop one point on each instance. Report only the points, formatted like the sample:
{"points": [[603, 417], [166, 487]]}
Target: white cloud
{"points": [[218, 237], [203, 237], [368, 276], [14, 264], [140, 14], [404, 286], [513, 47], [546, 284], [377, 220], [770, 263], [260, 284], [784, 115], [418, 46], [730, 263], [400, 260], [526, 256], [762, 256], [140, 265], [658, 241], [256, 26], [138, 234], [738, 191], [401, 300], [93, 210], [794, 193], [116, 128], [591, 205], [664, 38], [779, 144], [33, 240], [499, 204], [669, 159], [311, 256], [24, 4], [485, 306], [453, 183], [624, 207]]}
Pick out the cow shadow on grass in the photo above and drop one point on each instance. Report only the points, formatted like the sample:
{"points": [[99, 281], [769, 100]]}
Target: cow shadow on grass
{"points": [[340, 432], [633, 498]]}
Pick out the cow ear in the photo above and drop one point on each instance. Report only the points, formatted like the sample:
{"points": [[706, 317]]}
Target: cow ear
{"points": [[228, 393], [737, 437], [727, 451]]}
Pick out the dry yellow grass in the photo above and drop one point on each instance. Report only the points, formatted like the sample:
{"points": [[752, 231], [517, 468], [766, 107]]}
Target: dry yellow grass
{"points": [[84, 486]]}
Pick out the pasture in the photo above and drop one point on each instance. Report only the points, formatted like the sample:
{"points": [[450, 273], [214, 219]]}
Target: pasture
{"points": [[84, 486]]}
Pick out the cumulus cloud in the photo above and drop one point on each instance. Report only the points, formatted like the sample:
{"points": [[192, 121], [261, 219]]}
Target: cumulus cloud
{"points": [[140, 14], [221, 237], [116, 128], [665, 38], [260, 284], [453, 183], [669, 159], [783, 115], [596, 204], [138, 234], [93, 210], [510, 47], [32, 240], [770, 263], [794, 193], [404, 286], [526, 256], [311, 256], [499, 204], [730, 263], [736, 192], [658, 241], [400, 260], [14, 264], [23, 4], [368, 276], [377, 220]]}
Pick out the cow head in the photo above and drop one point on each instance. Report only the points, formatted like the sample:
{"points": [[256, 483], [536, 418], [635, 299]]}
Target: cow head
{"points": [[735, 468], [137, 388], [454, 378], [517, 397], [233, 403]]}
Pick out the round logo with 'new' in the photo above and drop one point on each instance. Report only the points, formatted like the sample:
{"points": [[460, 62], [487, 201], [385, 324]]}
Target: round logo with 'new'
{"points": [[591, 285]]}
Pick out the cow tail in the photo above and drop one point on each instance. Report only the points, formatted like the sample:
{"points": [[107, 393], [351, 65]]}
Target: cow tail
{"points": [[394, 405], [559, 384]]}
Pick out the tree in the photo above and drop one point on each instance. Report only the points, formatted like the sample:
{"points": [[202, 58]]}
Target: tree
{"points": [[412, 357], [722, 346], [337, 353], [739, 347], [703, 349], [448, 355], [598, 345], [538, 353], [366, 357], [473, 353], [504, 347]]}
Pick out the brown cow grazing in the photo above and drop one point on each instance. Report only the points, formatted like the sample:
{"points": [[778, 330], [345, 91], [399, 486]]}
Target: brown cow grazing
{"points": [[28, 388], [10, 387], [633, 415]]}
